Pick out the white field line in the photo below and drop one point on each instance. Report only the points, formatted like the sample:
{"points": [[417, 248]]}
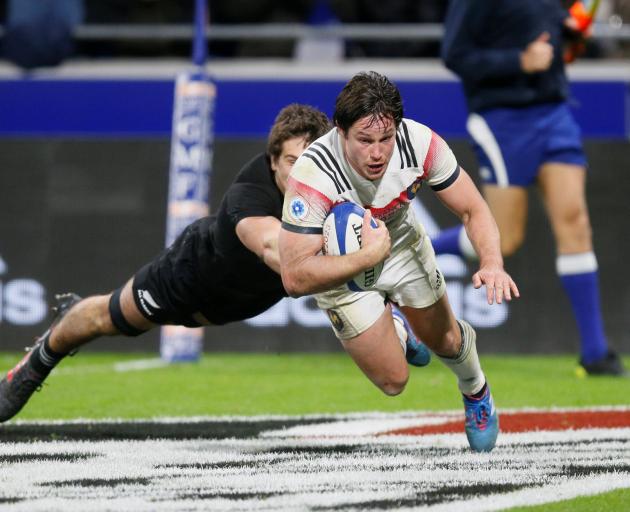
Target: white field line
{"points": [[418, 417], [140, 365], [120, 367]]}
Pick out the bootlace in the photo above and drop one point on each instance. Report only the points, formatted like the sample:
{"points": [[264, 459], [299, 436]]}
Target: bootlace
{"points": [[477, 414]]}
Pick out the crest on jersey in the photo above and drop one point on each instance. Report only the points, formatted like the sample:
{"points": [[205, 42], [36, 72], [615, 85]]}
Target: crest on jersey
{"points": [[298, 208], [412, 189]]}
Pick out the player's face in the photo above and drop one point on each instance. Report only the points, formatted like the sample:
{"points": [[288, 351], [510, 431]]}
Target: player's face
{"points": [[291, 150], [368, 145]]}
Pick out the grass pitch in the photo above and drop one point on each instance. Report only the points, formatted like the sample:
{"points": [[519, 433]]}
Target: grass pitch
{"points": [[98, 386]]}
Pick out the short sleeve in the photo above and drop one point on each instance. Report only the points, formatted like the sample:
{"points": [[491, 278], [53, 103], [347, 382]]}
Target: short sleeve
{"points": [[307, 200], [249, 200], [440, 165]]}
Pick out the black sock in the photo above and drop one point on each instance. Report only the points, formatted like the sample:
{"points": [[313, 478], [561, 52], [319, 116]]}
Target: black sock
{"points": [[44, 359]]}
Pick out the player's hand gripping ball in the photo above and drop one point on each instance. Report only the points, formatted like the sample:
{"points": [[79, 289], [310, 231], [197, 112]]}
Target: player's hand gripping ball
{"points": [[342, 235]]}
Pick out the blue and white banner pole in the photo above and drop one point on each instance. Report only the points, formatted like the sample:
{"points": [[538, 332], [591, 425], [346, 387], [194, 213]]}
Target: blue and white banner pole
{"points": [[192, 142]]}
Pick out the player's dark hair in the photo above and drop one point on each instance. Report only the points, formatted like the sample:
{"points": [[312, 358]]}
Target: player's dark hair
{"points": [[296, 120], [367, 94]]}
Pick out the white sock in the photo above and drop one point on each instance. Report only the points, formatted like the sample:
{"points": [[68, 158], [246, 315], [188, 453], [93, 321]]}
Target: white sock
{"points": [[470, 378]]}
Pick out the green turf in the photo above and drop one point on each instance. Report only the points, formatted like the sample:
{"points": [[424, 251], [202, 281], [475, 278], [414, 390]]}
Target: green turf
{"points": [[608, 502], [244, 384]]}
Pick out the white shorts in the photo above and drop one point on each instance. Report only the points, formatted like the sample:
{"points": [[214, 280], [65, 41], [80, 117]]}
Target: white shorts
{"points": [[410, 277]]}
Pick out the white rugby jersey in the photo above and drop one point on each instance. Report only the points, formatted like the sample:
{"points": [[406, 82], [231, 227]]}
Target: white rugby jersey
{"points": [[322, 177]]}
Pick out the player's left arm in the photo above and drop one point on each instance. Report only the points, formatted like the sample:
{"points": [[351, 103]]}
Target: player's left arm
{"points": [[463, 198], [260, 235]]}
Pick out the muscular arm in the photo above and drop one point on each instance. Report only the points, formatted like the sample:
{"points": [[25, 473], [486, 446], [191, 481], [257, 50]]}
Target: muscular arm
{"points": [[463, 198], [306, 271], [260, 235]]}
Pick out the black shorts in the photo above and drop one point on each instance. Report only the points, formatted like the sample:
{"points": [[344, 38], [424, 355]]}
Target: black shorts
{"points": [[169, 289]]}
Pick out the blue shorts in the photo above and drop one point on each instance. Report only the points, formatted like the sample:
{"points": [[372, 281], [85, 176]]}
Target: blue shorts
{"points": [[512, 143]]}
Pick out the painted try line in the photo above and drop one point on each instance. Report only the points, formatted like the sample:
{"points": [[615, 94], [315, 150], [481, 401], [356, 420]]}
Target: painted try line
{"points": [[311, 426], [363, 462]]}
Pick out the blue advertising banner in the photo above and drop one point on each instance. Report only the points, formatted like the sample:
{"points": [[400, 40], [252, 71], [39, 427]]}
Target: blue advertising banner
{"points": [[124, 107]]}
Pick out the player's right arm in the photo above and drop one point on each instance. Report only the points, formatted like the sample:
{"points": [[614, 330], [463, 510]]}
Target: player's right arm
{"points": [[305, 270]]}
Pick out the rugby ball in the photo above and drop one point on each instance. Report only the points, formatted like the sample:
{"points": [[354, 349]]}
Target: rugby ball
{"points": [[342, 235]]}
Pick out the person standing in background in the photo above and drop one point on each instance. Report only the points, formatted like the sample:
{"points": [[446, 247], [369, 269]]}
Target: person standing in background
{"points": [[509, 57]]}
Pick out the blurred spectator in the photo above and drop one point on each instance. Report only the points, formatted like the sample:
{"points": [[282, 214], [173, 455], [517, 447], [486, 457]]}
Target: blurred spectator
{"points": [[141, 12], [616, 13], [40, 32], [392, 11], [320, 48], [257, 11]]}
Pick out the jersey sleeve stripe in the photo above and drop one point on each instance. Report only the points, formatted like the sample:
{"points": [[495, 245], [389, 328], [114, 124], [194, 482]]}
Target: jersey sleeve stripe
{"points": [[308, 192], [328, 173], [335, 163], [447, 182], [408, 139], [302, 229]]}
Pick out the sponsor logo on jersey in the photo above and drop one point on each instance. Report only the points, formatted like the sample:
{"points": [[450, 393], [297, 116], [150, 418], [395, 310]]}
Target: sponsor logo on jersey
{"points": [[298, 208]]}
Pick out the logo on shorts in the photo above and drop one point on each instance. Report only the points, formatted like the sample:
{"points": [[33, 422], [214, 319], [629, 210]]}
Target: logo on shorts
{"points": [[335, 319], [298, 208], [146, 300]]}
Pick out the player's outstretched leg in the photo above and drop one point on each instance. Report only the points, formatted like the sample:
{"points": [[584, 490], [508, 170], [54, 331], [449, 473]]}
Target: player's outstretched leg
{"points": [[482, 421], [416, 352], [29, 374]]}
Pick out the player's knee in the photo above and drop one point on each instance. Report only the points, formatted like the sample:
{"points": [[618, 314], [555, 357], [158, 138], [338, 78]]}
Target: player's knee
{"points": [[573, 231], [580, 224], [395, 383]]}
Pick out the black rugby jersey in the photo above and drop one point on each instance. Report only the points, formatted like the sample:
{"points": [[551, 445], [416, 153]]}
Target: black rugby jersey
{"points": [[237, 284]]}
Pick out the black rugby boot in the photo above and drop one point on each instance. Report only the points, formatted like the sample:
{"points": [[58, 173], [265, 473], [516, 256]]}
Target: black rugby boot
{"points": [[610, 364], [23, 380]]}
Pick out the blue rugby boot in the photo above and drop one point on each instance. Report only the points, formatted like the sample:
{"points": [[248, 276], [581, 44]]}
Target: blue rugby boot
{"points": [[417, 353], [482, 421]]}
